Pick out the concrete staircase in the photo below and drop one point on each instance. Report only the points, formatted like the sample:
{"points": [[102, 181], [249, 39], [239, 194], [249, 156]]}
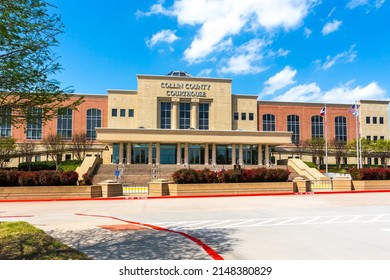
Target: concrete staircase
{"points": [[141, 175]]}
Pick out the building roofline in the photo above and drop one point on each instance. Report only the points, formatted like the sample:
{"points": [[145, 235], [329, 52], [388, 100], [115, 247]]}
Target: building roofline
{"points": [[184, 78]]}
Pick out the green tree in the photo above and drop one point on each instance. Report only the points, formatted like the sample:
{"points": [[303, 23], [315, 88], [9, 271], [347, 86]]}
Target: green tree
{"points": [[7, 148], [340, 150], [81, 144], [55, 147], [316, 147], [27, 62], [381, 149]]}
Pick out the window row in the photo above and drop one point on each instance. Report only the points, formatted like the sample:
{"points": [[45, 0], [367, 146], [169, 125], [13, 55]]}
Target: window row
{"points": [[236, 115], [122, 112], [184, 115], [317, 127], [375, 120], [375, 138], [64, 123]]}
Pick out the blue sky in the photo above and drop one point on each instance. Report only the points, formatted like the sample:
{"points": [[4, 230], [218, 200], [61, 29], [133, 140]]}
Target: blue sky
{"points": [[335, 51]]}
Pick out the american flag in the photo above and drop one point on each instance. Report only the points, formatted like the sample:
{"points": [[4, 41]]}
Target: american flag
{"points": [[354, 110], [322, 112]]}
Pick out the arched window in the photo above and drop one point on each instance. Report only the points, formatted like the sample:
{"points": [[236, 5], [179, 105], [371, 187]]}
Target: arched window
{"points": [[340, 126], [64, 123], [317, 127], [94, 119], [5, 122], [293, 125], [268, 122], [34, 124]]}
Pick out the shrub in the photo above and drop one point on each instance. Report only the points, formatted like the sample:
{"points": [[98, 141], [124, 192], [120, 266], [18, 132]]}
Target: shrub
{"points": [[370, 173], [27, 179], [69, 178], [185, 176], [87, 180], [47, 178], [37, 166], [190, 176], [3, 178]]}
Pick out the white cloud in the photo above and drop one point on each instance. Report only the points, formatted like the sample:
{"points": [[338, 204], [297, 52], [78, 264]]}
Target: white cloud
{"points": [[279, 81], [343, 94], [344, 57], [165, 35], [216, 20], [331, 27], [301, 93], [307, 32], [154, 10], [246, 58], [205, 72], [352, 4]]}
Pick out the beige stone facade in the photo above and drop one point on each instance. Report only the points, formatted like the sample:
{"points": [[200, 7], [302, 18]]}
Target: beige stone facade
{"points": [[185, 120]]}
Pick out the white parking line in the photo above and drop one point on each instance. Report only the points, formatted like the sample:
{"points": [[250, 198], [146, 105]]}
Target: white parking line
{"points": [[281, 221]]}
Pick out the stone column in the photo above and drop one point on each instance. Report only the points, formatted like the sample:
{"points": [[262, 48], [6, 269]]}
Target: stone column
{"points": [[260, 154], [186, 153], [158, 153], [267, 154], [178, 153], [175, 109], [206, 154], [240, 153], [194, 113]]}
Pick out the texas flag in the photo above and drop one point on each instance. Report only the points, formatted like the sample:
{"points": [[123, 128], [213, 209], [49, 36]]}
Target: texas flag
{"points": [[322, 112]]}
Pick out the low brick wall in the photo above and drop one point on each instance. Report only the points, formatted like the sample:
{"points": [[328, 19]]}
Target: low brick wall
{"points": [[171, 189], [50, 192], [359, 185], [342, 185]]}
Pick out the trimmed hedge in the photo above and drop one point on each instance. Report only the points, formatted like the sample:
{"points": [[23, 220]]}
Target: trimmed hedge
{"points": [[191, 176], [370, 173], [38, 178], [67, 165]]}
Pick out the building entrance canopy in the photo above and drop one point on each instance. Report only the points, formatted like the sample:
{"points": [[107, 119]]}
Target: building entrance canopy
{"points": [[147, 146]]}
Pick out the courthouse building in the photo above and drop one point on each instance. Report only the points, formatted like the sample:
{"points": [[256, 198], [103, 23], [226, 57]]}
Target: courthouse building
{"points": [[180, 119]]}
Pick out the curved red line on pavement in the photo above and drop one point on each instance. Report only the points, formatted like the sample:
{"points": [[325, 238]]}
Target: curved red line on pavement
{"points": [[26, 216], [197, 241]]}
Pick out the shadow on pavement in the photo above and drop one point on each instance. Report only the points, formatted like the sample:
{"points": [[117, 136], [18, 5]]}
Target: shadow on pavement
{"points": [[101, 244]]}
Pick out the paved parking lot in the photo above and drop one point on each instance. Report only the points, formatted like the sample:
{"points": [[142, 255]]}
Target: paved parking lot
{"points": [[301, 227]]}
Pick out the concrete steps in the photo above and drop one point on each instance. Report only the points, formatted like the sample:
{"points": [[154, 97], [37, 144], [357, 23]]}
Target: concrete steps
{"points": [[141, 175]]}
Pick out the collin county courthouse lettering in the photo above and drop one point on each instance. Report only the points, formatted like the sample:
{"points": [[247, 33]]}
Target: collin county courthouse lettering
{"points": [[196, 93], [178, 119]]}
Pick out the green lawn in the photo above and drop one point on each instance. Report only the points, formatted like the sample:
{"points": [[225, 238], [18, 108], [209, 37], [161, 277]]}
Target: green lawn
{"points": [[22, 241]]}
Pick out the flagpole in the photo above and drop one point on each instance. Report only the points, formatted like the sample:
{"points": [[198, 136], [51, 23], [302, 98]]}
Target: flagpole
{"points": [[326, 142], [357, 138]]}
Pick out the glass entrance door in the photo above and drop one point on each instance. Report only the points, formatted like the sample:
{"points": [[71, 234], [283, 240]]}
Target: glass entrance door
{"points": [[196, 154], [140, 153]]}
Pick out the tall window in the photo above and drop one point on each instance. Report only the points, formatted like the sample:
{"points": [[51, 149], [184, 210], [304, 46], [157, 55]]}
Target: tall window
{"points": [[5, 122], [165, 115], [34, 124], [340, 128], [94, 119], [64, 123], [268, 122], [204, 116], [185, 115], [293, 125], [317, 127]]}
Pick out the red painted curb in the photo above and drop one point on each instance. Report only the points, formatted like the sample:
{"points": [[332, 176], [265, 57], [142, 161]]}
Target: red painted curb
{"points": [[188, 196], [197, 241]]}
